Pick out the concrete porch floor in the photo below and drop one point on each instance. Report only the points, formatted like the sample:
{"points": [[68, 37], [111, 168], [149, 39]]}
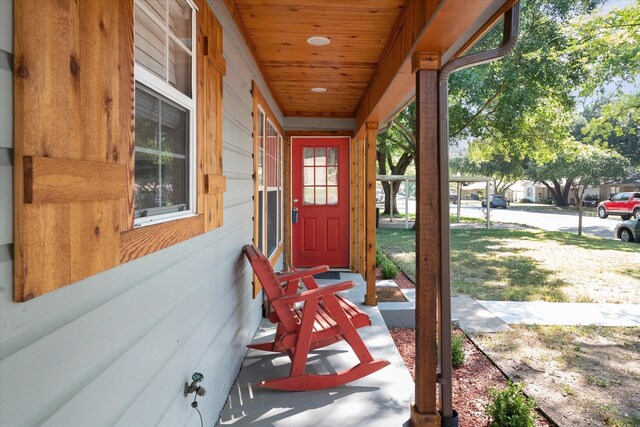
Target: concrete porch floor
{"points": [[380, 399]]}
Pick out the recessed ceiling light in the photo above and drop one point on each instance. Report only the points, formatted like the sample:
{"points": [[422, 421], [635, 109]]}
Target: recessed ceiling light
{"points": [[318, 41], [318, 89]]}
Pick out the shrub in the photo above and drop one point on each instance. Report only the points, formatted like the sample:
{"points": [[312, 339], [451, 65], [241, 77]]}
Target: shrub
{"points": [[380, 258], [511, 408], [457, 350], [388, 270], [525, 200]]}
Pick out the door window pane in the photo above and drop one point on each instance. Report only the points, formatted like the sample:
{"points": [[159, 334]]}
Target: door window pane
{"points": [[332, 176], [321, 178], [308, 156], [332, 156], [308, 175], [321, 195], [321, 156], [308, 196], [332, 195]]}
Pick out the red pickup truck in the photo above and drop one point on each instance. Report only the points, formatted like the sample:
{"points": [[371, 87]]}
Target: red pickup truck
{"points": [[624, 204]]}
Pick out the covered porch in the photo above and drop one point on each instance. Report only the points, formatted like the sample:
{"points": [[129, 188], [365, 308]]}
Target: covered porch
{"points": [[96, 254]]}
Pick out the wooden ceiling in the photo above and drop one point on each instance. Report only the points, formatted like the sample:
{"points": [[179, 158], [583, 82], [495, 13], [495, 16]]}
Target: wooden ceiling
{"points": [[279, 29], [366, 68]]}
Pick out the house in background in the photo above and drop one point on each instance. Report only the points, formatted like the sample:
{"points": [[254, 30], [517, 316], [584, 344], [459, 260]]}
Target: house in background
{"points": [[147, 141], [630, 183]]}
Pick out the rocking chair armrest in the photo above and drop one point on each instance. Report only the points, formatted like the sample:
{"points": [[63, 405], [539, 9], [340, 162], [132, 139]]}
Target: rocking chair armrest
{"points": [[303, 273], [313, 293]]}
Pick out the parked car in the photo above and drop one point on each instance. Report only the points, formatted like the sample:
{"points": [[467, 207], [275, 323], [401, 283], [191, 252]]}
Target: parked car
{"points": [[497, 201], [624, 204], [628, 231]]}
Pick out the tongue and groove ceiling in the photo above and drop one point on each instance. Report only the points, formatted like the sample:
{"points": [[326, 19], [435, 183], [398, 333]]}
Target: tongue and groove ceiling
{"points": [[366, 69], [279, 29]]}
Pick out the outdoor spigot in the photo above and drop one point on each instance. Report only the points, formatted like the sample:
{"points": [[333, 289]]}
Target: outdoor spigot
{"points": [[196, 378]]}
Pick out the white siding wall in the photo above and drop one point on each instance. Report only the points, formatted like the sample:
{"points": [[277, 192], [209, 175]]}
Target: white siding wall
{"points": [[117, 348]]}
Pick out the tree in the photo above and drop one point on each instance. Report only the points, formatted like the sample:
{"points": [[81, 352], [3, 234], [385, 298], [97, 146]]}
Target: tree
{"points": [[608, 46], [614, 122], [491, 103], [577, 167], [504, 172], [590, 167], [396, 147]]}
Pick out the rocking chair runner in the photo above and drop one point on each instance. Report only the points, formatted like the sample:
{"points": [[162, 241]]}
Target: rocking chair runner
{"points": [[324, 319]]}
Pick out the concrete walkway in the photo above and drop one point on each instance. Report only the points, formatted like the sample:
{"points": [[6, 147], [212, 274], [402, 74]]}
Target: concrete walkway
{"points": [[496, 316], [564, 313]]}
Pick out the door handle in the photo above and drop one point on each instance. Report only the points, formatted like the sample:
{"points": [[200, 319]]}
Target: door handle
{"points": [[294, 216]]}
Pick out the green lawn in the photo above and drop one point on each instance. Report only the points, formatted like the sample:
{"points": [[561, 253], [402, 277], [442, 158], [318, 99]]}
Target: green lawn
{"points": [[529, 265]]}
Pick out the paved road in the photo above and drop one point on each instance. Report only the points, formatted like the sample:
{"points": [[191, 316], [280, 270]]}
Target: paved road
{"points": [[546, 221]]}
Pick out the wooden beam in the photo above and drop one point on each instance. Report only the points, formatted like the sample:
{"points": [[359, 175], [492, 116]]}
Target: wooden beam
{"points": [[371, 298], [348, 133], [53, 180], [406, 32], [428, 241], [425, 61]]}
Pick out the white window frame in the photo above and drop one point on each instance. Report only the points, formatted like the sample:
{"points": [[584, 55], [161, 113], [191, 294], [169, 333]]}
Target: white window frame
{"points": [[164, 89]]}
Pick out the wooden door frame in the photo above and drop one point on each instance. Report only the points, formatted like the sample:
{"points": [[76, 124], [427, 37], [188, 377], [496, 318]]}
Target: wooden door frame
{"points": [[288, 164]]}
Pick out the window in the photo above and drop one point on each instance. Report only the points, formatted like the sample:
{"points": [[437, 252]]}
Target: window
{"points": [[320, 176], [269, 174], [164, 110]]}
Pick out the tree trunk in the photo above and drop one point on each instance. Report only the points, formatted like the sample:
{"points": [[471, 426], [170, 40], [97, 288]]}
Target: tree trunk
{"points": [[579, 198], [398, 169], [560, 194], [580, 204], [566, 190]]}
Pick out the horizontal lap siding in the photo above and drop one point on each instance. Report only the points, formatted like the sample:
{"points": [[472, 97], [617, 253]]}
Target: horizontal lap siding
{"points": [[116, 348], [6, 127]]}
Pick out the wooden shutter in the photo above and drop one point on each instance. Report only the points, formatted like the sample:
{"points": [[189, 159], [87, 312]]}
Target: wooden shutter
{"points": [[74, 142], [211, 67], [73, 91]]}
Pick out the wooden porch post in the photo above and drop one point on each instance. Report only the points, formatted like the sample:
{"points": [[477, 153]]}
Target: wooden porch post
{"points": [[371, 298], [361, 179], [428, 241]]}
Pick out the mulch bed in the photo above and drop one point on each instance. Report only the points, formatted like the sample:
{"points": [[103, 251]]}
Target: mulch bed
{"points": [[471, 381], [390, 294]]}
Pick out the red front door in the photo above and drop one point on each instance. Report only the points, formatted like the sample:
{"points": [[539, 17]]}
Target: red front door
{"points": [[320, 192]]}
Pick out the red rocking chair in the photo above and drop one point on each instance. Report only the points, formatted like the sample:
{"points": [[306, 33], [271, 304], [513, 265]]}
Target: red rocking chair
{"points": [[324, 319]]}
